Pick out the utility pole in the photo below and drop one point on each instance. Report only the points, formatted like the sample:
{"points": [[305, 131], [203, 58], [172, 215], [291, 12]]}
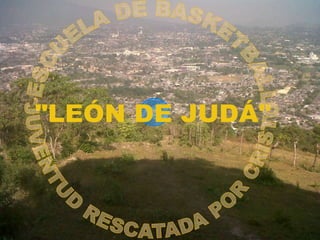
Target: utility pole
{"points": [[317, 147], [241, 141], [295, 153]]}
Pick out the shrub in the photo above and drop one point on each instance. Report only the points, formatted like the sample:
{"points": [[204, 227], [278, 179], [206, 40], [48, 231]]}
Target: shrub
{"points": [[88, 147], [116, 165], [267, 177], [165, 157], [152, 135], [21, 154], [2, 167], [8, 182], [67, 149], [5, 198], [32, 182], [127, 158]]}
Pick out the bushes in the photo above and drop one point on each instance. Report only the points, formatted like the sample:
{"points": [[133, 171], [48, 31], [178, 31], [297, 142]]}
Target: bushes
{"points": [[2, 166], [8, 183], [267, 177], [165, 157], [67, 149], [127, 158], [288, 134], [11, 218], [21, 154], [128, 132], [32, 182], [117, 165], [88, 147]]}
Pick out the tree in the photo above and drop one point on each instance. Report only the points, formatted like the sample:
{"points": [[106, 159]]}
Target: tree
{"points": [[13, 134], [65, 138], [128, 131]]}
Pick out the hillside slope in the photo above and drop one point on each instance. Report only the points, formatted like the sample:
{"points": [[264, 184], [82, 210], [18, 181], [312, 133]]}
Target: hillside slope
{"points": [[161, 183]]}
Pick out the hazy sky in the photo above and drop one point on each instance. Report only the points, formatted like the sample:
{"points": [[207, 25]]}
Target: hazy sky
{"points": [[246, 12], [239, 12]]}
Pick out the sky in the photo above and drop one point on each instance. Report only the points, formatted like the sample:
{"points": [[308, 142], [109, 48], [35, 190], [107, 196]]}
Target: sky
{"points": [[246, 12], [239, 12]]}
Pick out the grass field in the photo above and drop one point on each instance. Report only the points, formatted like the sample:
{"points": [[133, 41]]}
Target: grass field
{"points": [[161, 183]]}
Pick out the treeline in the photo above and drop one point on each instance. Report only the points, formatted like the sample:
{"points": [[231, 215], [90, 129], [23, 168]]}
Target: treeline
{"points": [[306, 139], [66, 138], [17, 165]]}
